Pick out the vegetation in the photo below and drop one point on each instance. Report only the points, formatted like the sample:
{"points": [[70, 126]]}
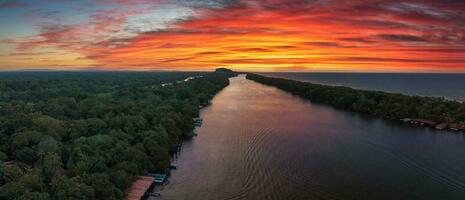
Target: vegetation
{"points": [[89, 135], [388, 105], [224, 70]]}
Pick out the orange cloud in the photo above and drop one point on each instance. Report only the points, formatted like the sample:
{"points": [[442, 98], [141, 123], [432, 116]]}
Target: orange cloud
{"points": [[328, 35]]}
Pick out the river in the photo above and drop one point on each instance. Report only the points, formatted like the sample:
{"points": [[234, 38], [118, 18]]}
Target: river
{"points": [[258, 142]]}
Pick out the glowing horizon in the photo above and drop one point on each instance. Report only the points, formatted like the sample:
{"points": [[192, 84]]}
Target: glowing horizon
{"points": [[201, 35]]}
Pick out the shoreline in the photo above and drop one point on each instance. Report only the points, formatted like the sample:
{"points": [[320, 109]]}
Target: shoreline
{"points": [[435, 113], [440, 126], [197, 121]]}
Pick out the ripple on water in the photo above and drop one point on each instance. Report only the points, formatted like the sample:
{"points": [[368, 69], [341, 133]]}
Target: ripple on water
{"points": [[260, 143]]}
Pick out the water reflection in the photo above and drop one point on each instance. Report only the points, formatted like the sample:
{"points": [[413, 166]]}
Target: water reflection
{"points": [[258, 142]]}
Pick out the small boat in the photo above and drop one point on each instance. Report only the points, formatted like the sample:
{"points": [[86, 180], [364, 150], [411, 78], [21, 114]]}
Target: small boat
{"points": [[441, 126], [191, 134], [159, 178], [154, 194], [197, 121], [454, 127], [406, 120]]}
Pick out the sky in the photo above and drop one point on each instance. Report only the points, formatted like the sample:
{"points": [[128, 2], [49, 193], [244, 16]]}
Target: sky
{"points": [[245, 35]]}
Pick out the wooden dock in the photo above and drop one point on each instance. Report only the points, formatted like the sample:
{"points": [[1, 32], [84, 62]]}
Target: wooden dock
{"points": [[139, 187]]}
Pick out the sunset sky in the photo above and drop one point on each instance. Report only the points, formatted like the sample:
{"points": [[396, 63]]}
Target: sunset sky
{"points": [[251, 35]]}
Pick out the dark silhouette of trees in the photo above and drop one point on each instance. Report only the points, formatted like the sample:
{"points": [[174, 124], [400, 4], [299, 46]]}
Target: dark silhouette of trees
{"points": [[384, 104], [89, 135]]}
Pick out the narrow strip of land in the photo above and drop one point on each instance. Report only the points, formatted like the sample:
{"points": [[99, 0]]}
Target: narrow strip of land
{"points": [[434, 112]]}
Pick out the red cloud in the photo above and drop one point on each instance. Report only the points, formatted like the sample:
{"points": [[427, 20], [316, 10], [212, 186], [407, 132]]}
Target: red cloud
{"points": [[279, 34]]}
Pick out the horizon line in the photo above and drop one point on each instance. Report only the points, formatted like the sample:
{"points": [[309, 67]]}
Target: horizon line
{"points": [[241, 71]]}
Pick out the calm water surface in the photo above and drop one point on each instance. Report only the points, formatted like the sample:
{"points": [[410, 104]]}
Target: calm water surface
{"points": [[450, 86], [258, 142]]}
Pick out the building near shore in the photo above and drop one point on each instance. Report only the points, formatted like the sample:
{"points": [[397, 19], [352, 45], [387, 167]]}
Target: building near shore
{"points": [[139, 187]]}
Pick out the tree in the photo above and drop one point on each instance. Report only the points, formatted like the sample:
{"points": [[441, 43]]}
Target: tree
{"points": [[82, 136], [71, 188], [103, 187], [27, 155], [50, 166], [11, 173], [49, 126], [12, 190]]}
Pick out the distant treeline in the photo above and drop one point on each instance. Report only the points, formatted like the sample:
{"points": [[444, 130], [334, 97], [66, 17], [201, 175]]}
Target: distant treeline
{"points": [[89, 135], [388, 105]]}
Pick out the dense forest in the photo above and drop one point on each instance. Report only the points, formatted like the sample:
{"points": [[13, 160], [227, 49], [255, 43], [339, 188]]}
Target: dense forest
{"points": [[377, 103], [88, 135]]}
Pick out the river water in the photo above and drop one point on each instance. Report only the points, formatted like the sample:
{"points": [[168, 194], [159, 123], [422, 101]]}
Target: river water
{"points": [[258, 142]]}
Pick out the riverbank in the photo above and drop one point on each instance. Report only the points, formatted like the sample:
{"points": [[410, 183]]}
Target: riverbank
{"points": [[152, 192], [92, 134], [259, 142], [432, 112], [449, 86]]}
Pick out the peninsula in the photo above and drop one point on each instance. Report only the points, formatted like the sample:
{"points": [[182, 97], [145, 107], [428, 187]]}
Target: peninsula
{"points": [[434, 112]]}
